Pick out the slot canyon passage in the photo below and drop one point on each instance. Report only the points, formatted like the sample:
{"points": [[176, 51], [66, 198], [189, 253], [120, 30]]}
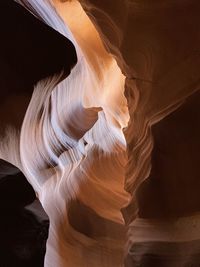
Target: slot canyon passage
{"points": [[99, 116]]}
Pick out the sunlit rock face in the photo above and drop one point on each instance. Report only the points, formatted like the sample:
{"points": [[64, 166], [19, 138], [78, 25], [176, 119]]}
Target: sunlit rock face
{"points": [[114, 146], [24, 62], [156, 47], [27, 56], [77, 159]]}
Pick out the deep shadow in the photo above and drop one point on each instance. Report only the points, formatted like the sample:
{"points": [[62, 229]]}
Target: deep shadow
{"points": [[172, 189], [29, 52], [23, 235]]}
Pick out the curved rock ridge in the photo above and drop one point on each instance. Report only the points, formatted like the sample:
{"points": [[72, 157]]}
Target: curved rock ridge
{"points": [[160, 62], [73, 151], [156, 46], [76, 133], [24, 62]]}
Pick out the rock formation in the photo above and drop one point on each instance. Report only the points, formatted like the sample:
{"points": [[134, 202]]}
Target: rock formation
{"points": [[112, 150]]}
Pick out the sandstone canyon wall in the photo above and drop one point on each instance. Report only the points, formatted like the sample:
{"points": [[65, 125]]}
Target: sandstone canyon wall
{"points": [[112, 150]]}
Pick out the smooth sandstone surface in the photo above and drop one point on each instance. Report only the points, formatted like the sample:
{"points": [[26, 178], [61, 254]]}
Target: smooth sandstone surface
{"points": [[114, 146]]}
